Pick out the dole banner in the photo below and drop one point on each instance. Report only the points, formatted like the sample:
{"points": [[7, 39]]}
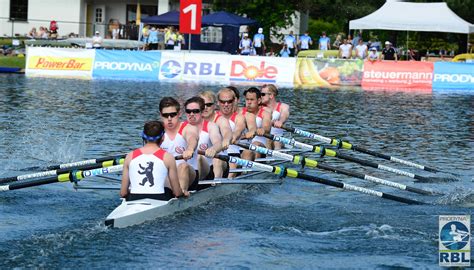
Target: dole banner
{"points": [[261, 70], [59, 62], [182, 66], [397, 74], [451, 75], [119, 64]]}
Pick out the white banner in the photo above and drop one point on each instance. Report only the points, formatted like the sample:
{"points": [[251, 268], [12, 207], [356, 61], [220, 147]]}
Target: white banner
{"points": [[59, 62]]}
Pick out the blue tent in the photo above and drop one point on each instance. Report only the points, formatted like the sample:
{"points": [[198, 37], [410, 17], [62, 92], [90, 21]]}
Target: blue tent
{"points": [[168, 18], [226, 18]]}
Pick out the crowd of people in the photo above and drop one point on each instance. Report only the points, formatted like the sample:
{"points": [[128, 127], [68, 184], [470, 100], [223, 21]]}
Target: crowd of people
{"points": [[168, 38], [214, 124]]}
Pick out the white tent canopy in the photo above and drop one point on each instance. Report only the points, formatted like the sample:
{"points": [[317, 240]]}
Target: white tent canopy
{"points": [[407, 16]]}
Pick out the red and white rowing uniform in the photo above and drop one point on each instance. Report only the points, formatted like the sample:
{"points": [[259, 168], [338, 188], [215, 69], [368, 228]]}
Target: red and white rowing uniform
{"points": [[148, 173], [204, 142], [177, 147], [259, 120], [233, 149], [275, 117]]}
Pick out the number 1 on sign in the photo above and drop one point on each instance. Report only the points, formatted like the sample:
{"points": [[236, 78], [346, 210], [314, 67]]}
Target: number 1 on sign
{"points": [[192, 8]]}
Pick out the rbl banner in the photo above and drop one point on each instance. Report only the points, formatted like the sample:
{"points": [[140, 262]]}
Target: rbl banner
{"points": [[190, 16], [397, 74]]}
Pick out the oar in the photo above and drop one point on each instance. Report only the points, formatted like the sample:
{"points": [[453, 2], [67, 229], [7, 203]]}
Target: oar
{"points": [[239, 181], [77, 163], [72, 176], [296, 159], [332, 153], [102, 164], [283, 172], [346, 145]]}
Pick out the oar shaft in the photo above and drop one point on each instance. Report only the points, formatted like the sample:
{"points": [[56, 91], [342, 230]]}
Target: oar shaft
{"points": [[84, 162]]}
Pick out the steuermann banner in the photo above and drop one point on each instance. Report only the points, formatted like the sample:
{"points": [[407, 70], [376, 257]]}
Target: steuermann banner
{"points": [[136, 65], [59, 62], [450, 75], [397, 74]]}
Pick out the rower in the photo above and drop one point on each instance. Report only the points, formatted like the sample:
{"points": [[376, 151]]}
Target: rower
{"points": [[250, 118], [180, 139], [209, 136], [226, 99], [263, 119], [209, 113], [146, 170], [280, 110]]}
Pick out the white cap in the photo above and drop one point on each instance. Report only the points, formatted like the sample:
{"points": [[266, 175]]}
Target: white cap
{"points": [[260, 30], [373, 49], [97, 32], [246, 34], [387, 43]]}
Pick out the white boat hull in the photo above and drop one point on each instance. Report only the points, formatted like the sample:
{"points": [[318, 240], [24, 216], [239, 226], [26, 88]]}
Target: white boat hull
{"points": [[130, 213]]}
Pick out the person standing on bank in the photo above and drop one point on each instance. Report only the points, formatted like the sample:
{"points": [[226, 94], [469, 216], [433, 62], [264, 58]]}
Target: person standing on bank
{"points": [[389, 53], [305, 41], [149, 171], [259, 42]]}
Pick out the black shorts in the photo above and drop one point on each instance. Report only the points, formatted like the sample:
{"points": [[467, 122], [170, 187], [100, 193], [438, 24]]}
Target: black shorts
{"points": [[168, 195], [210, 175], [234, 155], [195, 182]]}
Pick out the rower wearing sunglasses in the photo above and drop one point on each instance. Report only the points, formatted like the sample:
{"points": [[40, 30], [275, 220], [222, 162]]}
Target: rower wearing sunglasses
{"points": [[180, 139], [253, 99], [280, 110], [209, 136], [210, 114]]}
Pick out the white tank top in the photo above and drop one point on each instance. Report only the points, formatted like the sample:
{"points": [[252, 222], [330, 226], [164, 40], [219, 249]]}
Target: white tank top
{"points": [[259, 120], [275, 117], [177, 147], [233, 149], [205, 140], [147, 172]]}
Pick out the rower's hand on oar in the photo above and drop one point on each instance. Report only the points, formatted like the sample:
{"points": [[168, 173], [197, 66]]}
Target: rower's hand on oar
{"points": [[210, 152], [278, 124], [188, 154], [225, 145], [260, 132], [249, 135]]}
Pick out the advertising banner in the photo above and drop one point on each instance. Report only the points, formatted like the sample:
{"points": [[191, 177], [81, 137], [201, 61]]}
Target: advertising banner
{"points": [[136, 65], [59, 62], [397, 74], [261, 70], [182, 66], [326, 72], [451, 75]]}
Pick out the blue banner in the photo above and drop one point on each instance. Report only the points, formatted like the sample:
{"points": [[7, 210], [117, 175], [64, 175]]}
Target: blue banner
{"points": [[136, 65], [451, 75]]}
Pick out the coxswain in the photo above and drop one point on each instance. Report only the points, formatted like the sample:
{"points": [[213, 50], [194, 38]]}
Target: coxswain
{"points": [[180, 139], [209, 113], [149, 171], [210, 139], [280, 111], [263, 119]]}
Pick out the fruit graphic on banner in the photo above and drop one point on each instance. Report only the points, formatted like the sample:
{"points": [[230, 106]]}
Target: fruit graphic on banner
{"points": [[308, 74]]}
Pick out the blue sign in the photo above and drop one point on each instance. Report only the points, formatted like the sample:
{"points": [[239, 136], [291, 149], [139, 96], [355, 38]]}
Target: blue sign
{"points": [[451, 75], [136, 65]]}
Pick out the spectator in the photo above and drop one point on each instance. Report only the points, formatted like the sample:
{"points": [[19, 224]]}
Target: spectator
{"points": [[349, 39], [161, 38], [345, 50], [388, 53], [373, 55], [324, 42], [245, 45], [53, 28], [180, 42], [285, 52], [97, 40], [259, 42], [152, 39], [337, 42], [361, 50], [32, 33], [305, 41], [290, 42], [170, 38], [412, 55], [356, 39]]}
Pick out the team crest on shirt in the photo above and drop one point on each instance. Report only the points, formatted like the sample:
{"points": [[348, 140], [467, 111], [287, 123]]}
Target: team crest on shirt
{"points": [[179, 149], [203, 146]]}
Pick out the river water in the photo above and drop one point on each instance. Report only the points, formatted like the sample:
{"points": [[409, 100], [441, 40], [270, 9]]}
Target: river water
{"points": [[297, 224]]}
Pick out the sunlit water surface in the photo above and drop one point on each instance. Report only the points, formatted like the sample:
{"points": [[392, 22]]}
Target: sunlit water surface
{"points": [[294, 225]]}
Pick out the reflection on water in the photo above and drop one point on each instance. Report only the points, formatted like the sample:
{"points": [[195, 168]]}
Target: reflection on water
{"points": [[47, 121]]}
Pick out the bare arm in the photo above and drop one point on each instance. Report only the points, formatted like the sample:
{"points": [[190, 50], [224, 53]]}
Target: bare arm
{"points": [[125, 177], [266, 122], [251, 123], [170, 163], [284, 115], [216, 138], [191, 135], [226, 132], [239, 128]]}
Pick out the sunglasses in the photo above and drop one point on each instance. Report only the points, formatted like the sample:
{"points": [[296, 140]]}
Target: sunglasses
{"points": [[195, 111], [209, 104], [230, 101], [168, 115], [263, 94]]}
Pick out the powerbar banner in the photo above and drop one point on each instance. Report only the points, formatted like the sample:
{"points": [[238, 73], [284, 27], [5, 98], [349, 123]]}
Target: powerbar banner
{"points": [[327, 72], [451, 75], [59, 62], [397, 74], [136, 65]]}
